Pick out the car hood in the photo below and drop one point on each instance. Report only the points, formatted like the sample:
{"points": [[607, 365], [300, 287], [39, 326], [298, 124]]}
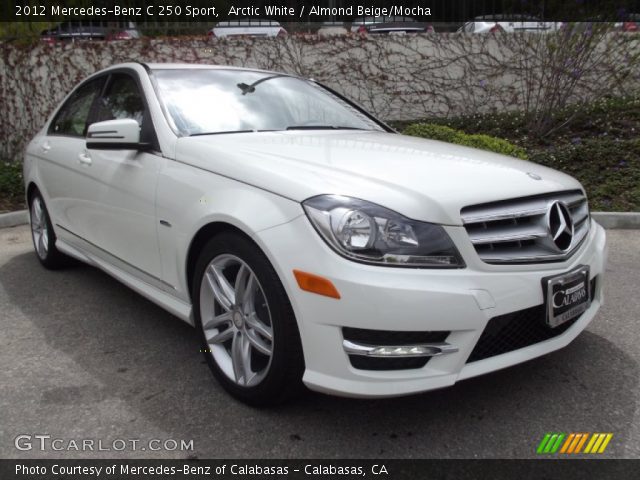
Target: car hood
{"points": [[422, 179]]}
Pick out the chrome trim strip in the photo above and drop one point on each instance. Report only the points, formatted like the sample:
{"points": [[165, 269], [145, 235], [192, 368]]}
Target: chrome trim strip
{"points": [[490, 257], [433, 349], [492, 217], [579, 217], [509, 235], [518, 207]]}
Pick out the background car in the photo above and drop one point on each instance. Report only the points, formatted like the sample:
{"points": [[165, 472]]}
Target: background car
{"points": [[91, 30], [329, 29], [390, 25], [247, 28], [509, 24], [124, 31], [75, 31]]}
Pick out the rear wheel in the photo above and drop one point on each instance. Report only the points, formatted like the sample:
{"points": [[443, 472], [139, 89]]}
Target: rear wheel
{"points": [[248, 330], [44, 239]]}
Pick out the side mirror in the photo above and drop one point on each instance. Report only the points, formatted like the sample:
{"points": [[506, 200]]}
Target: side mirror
{"points": [[120, 134]]}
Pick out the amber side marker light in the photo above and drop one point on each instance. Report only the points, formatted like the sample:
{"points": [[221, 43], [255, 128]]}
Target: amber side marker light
{"points": [[316, 284]]}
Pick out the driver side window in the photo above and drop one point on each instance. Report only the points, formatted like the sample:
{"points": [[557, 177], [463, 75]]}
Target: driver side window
{"points": [[121, 100]]}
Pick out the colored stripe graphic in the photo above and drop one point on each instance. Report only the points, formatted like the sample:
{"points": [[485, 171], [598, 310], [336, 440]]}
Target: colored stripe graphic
{"points": [[598, 442], [550, 443], [607, 439], [594, 437], [567, 443], [543, 443], [573, 443], [556, 446], [596, 445], [581, 442]]}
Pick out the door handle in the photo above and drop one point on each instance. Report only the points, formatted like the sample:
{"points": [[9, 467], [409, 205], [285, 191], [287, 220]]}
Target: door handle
{"points": [[46, 146], [84, 159]]}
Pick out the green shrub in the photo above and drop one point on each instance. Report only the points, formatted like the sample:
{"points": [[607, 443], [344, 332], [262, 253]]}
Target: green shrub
{"points": [[11, 185], [617, 117], [450, 135], [608, 169]]}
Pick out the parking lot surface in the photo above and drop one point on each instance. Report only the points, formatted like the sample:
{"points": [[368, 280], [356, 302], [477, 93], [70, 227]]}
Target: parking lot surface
{"points": [[84, 357]]}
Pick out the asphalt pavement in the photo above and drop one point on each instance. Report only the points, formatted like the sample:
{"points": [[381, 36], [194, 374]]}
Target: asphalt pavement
{"points": [[83, 357]]}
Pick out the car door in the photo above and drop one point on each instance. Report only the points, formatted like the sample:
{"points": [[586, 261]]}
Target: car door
{"points": [[123, 220], [61, 166]]}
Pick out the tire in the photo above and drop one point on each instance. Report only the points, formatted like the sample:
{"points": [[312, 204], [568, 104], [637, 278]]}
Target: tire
{"points": [[43, 236], [252, 343]]}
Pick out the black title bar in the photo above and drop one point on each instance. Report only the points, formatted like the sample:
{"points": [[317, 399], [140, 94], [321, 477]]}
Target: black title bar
{"points": [[449, 11], [319, 469]]}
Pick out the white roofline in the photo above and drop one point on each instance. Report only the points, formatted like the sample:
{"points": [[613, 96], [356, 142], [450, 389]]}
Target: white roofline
{"points": [[200, 66], [185, 66]]}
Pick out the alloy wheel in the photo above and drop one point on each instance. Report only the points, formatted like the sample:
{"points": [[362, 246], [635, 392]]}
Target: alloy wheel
{"points": [[236, 320], [39, 228]]}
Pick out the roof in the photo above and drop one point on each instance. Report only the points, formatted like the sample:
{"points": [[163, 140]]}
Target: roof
{"points": [[195, 66], [185, 66], [201, 66]]}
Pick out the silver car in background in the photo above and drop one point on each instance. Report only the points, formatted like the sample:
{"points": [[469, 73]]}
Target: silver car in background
{"points": [[247, 28], [390, 25], [508, 24]]}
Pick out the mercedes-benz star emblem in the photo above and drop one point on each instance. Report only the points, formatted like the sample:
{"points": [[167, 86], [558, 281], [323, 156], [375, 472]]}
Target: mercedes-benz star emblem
{"points": [[560, 225]]}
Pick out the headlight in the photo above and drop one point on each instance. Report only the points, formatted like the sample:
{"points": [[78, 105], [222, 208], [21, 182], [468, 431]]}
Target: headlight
{"points": [[367, 232]]}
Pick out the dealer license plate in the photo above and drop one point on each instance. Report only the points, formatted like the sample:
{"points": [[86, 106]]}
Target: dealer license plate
{"points": [[566, 296]]}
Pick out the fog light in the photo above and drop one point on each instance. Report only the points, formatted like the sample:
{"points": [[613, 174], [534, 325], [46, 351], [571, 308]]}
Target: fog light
{"points": [[398, 351]]}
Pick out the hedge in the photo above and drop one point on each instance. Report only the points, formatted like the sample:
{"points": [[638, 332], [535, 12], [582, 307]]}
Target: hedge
{"points": [[450, 135]]}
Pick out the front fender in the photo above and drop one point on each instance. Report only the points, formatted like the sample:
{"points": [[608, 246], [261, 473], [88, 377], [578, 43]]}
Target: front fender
{"points": [[188, 199]]}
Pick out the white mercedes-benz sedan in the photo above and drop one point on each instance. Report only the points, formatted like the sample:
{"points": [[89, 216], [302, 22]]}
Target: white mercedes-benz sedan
{"points": [[306, 241]]}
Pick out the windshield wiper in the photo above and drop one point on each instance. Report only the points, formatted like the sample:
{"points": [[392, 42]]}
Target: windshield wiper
{"points": [[322, 127], [292, 127], [252, 88], [228, 131]]}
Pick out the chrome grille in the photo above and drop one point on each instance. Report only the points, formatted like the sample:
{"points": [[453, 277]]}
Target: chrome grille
{"points": [[518, 230]]}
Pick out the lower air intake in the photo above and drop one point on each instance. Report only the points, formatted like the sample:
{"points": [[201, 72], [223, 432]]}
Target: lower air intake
{"points": [[517, 330]]}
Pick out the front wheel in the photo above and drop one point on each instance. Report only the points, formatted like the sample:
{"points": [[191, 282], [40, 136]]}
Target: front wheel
{"points": [[43, 236], [248, 329]]}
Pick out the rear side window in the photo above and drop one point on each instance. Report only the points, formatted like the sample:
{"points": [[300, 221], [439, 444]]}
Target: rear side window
{"points": [[72, 117]]}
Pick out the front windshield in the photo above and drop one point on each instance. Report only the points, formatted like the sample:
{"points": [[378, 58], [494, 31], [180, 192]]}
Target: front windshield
{"points": [[209, 101]]}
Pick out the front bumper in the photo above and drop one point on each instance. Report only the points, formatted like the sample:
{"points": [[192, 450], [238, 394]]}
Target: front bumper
{"points": [[461, 301]]}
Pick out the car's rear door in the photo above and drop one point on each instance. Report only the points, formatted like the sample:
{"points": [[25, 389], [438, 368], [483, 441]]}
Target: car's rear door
{"points": [[62, 173], [123, 216]]}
